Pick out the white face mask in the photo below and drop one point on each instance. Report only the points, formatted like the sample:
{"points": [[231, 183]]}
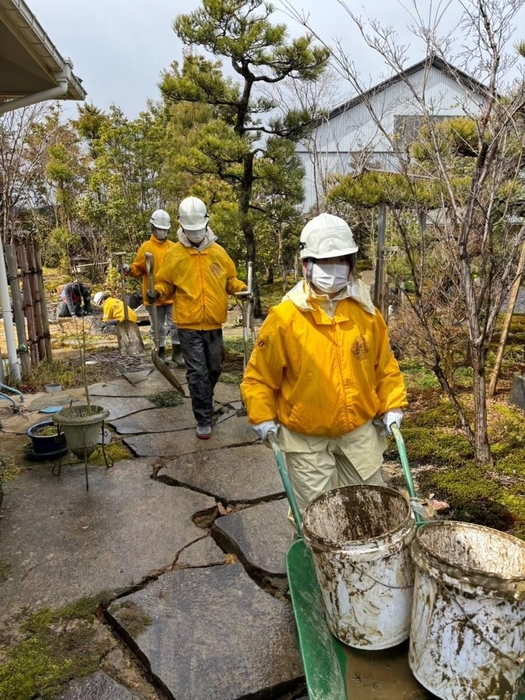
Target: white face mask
{"points": [[160, 234], [196, 237], [330, 277]]}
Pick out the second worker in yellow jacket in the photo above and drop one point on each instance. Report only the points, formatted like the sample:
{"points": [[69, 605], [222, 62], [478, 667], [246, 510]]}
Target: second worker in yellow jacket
{"points": [[199, 274]]}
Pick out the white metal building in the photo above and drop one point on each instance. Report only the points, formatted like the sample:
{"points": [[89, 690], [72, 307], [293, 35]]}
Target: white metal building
{"points": [[349, 137]]}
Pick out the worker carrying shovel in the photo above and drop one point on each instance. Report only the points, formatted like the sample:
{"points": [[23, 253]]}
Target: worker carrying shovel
{"points": [[158, 245], [198, 274], [322, 370]]}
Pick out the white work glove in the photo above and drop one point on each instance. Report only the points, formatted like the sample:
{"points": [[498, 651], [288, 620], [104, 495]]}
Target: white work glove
{"points": [[125, 268], [262, 429], [393, 416]]}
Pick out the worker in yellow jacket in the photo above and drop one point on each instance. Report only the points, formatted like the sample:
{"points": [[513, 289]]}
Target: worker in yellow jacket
{"points": [[198, 274], [159, 246], [322, 370], [112, 310]]}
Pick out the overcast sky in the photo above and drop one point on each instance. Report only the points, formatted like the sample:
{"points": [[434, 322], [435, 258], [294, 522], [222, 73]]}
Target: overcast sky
{"points": [[120, 47]]}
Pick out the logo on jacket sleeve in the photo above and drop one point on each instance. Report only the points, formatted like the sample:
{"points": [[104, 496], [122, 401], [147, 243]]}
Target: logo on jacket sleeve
{"points": [[360, 348]]}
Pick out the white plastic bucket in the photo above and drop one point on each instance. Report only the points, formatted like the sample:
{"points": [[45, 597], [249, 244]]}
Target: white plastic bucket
{"points": [[360, 540], [468, 620]]}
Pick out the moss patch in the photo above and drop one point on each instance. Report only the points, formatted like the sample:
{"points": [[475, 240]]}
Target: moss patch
{"points": [[132, 617], [115, 451], [166, 399], [58, 645]]}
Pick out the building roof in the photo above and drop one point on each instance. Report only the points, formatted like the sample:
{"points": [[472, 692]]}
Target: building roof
{"points": [[29, 61], [440, 64]]}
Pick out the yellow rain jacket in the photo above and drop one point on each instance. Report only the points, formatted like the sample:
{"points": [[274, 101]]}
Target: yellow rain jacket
{"points": [[114, 310], [138, 267], [318, 375], [199, 282]]}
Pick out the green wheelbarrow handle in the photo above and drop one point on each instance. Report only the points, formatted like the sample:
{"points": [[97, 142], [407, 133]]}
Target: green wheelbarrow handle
{"points": [[285, 477], [407, 474]]}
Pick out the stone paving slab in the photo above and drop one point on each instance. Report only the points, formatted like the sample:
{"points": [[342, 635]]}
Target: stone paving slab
{"points": [[152, 374], [19, 423], [237, 475], [122, 388], [61, 398], [215, 634], [260, 536], [234, 431], [158, 420], [119, 407], [202, 553], [98, 686], [62, 543], [226, 393]]}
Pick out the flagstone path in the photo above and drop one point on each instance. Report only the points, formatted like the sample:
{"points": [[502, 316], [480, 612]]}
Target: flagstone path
{"points": [[189, 534]]}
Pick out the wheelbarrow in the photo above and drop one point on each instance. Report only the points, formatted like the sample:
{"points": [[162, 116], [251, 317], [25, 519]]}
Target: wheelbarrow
{"points": [[334, 671]]}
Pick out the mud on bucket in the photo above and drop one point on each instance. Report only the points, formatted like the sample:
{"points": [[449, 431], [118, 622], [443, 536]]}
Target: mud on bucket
{"points": [[468, 621], [360, 540]]}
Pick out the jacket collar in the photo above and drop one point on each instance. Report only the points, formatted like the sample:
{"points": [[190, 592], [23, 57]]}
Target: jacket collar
{"points": [[209, 238], [305, 299]]}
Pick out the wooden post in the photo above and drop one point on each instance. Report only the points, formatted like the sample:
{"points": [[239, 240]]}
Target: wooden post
{"points": [[16, 300], [28, 303], [380, 277], [43, 303], [37, 304]]}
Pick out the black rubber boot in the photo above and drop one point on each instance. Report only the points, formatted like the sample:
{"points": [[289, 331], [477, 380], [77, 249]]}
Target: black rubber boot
{"points": [[177, 356], [162, 355]]}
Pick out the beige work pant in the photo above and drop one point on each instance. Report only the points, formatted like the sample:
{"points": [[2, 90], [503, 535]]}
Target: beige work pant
{"points": [[318, 464]]}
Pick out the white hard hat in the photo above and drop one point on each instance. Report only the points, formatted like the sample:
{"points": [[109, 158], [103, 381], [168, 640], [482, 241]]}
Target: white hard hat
{"points": [[160, 219], [193, 214], [99, 298], [327, 236]]}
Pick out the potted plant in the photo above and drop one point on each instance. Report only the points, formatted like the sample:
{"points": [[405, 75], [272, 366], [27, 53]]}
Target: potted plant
{"points": [[82, 424], [47, 441]]}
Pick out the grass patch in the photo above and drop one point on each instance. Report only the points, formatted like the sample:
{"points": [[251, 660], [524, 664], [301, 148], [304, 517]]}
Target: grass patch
{"points": [[132, 617], [166, 399], [234, 346], [58, 645]]}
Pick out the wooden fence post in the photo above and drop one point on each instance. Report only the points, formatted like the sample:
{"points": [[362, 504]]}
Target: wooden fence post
{"points": [[28, 303], [43, 303]]}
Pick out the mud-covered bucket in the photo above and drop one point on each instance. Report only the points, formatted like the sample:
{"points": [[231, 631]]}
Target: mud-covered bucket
{"points": [[360, 540], [467, 640]]}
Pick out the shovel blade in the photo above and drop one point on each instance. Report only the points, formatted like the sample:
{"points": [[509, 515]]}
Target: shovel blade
{"points": [[130, 341]]}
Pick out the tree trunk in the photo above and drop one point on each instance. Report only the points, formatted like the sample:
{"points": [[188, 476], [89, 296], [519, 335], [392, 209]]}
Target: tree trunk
{"points": [[506, 326], [481, 440], [269, 274]]}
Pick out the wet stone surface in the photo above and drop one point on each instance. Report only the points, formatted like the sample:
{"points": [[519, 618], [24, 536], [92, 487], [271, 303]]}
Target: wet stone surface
{"points": [[202, 553], [61, 398], [122, 407], [159, 420], [234, 431], [215, 634], [123, 388], [237, 475], [259, 536], [98, 686], [226, 393], [62, 543], [149, 375]]}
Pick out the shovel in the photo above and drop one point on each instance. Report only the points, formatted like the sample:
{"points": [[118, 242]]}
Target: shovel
{"points": [[248, 332], [128, 333], [159, 364]]}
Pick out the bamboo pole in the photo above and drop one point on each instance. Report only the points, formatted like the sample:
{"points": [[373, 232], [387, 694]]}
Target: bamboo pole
{"points": [[28, 303], [514, 291], [43, 303], [16, 300]]}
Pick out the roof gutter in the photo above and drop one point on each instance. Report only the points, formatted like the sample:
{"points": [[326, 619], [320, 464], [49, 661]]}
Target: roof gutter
{"points": [[52, 94]]}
